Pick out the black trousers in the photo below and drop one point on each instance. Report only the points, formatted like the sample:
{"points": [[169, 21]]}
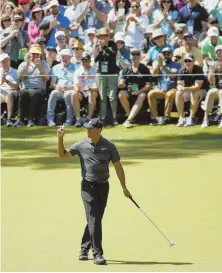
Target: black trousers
{"points": [[30, 103], [94, 197]]}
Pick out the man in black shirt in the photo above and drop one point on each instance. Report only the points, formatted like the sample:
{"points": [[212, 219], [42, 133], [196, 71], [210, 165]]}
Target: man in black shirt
{"points": [[108, 73], [95, 153], [190, 81], [136, 86]]}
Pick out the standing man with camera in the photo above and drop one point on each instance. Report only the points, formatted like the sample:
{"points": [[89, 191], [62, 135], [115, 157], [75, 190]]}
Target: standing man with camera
{"points": [[95, 153], [108, 73]]}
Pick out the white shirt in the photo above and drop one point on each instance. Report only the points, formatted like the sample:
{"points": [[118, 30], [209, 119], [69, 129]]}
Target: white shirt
{"points": [[134, 32], [11, 76], [86, 79], [71, 13]]}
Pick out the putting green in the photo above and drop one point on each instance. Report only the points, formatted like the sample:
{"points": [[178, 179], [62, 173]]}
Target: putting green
{"points": [[173, 173]]}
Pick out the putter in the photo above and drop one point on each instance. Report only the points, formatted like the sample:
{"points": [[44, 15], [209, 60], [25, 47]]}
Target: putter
{"points": [[170, 244]]}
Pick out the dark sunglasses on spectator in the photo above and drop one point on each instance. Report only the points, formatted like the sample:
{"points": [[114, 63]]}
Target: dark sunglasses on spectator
{"points": [[219, 51], [85, 60], [36, 54], [167, 2], [61, 38], [9, 7], [187, 61], [76, 48], [7, 20], [124, 1], [214, 22], [158, 37], [166, 53], [91, 34], [103, 36], [22, 4], [179, 32], [135, 7], [135, 53], [120, 42]]}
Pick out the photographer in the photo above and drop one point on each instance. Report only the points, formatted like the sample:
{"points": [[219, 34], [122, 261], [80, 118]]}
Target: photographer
{"points": [[33, 73], [214, 93]]}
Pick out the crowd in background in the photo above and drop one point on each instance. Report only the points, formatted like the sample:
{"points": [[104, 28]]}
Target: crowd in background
{"points": [[111, 56]]}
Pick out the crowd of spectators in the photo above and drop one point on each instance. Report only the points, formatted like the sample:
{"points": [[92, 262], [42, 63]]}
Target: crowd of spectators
{"points": [[110, 56]]}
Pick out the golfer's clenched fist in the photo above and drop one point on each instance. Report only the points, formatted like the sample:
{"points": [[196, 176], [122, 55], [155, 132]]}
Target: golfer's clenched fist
{"points": [[127, 193], [60, 132]]}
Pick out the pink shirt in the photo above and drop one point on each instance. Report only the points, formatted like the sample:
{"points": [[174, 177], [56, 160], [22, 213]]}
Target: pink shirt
{"points": [[33, 31]]}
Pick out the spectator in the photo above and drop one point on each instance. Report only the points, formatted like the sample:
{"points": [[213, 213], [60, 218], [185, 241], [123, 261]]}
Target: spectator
{"points": [[166, 17], [61, 41], [51, 54], [215, 78], [36, 15], [188, 47], [15, 41], [106, 59], [159, 39], [89, 47], [134, 86], [91, 13], [212, 22], [217, 10], [8, 8], [24, 5], [72, 15], [84, 88], [208, 48], [56, 21], [62, 83], [195, 17], [189, 89], [9, 85], [135, 26], [177, 39], [33, 73], [5, 21], [166, 86], [77, 49], [117, 16], [123, 53], [145, 44]]}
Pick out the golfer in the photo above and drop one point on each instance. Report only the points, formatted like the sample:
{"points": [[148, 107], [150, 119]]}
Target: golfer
{"points": [[95, 153]]}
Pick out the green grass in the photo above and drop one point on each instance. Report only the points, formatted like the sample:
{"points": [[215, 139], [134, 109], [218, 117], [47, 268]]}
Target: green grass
{"points": [[173, 173]]}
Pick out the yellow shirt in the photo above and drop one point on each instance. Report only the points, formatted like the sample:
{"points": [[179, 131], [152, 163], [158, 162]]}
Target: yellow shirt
{"points": [[198, 56]]}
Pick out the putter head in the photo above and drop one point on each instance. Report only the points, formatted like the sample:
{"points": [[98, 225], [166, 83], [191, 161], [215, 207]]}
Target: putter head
{"points": [[173, 244]]}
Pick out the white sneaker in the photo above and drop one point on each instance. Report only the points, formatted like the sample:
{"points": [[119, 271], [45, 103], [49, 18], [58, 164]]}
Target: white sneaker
{"points": [[180, 122], [189, 122], [220, 125], [160, 120], [127, 124], [51, 123], [205, 124]]}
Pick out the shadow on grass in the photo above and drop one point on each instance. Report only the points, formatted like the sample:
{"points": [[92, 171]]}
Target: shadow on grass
{"points": [[18, 149], [119, 262]]}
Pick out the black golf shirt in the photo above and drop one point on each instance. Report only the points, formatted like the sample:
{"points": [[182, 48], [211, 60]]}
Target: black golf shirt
{"points": [[190, 79]]}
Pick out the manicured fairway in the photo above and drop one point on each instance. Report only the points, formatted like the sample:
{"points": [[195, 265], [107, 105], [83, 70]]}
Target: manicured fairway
{"points": [[175, 174]]}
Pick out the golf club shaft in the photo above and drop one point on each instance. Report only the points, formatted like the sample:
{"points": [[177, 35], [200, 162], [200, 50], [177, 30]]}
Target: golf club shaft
{"points": [[149, 218]]}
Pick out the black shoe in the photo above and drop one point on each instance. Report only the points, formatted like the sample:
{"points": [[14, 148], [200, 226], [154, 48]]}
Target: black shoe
{"points": [[18, 123], [99, 260], [153, 122], [83, 256], [9, 123]]}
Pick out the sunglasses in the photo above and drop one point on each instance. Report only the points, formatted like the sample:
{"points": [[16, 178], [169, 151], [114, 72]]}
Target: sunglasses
{"points": [[85, 60], [61, 38], [166, 2], [166, 53], [219, 51], [135, 54], [76, 48], [91, 34], [9, 7], [121, 1], [103, 36], [7, 20], [36, 54], [120, 42], [187, 61], [179, 32], [135, 7], [214, 22], [22, 4]]}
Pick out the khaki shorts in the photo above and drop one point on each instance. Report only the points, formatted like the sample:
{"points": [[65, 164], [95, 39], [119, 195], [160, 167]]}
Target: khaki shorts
{"points": [[202, 95]]}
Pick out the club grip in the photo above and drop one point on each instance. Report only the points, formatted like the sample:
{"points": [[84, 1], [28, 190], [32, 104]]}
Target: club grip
{"points": [[131, 198]]}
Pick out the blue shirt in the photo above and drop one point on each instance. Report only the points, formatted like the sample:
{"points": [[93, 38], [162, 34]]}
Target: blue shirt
{"points": [[64, 74], [167, 82], [155, 50], [62, 21]]}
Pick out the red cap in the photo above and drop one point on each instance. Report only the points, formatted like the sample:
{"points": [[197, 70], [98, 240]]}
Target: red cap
{"points": [[24, 1]]}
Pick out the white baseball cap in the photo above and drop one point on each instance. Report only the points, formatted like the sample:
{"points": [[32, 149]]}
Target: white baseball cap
{"points": [[66, 52], [213, 31], [119, 36], [59, 33], [52, 3], [91, 30], [4, 56]]}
